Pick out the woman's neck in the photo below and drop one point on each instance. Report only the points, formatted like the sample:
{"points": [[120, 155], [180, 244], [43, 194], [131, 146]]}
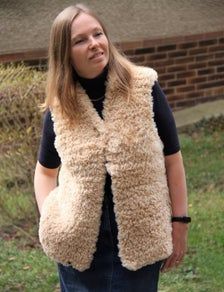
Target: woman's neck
{"points": [[94, 87]]}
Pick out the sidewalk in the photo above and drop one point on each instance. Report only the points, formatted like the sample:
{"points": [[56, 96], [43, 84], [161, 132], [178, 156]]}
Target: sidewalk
{"points": [[196, 113]]}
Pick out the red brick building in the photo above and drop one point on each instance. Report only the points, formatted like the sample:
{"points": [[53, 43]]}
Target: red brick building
{"points": [[182, 40]]}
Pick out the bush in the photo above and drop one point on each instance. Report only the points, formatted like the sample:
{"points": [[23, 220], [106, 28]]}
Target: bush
{"points": [[205, 125], [22, 89]]}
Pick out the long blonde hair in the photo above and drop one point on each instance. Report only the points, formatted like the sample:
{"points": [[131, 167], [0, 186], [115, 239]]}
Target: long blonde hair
{"points": [[61, 85]]}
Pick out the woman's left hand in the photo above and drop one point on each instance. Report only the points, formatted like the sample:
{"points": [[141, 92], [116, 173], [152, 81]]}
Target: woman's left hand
{"points": [[179, 236]]}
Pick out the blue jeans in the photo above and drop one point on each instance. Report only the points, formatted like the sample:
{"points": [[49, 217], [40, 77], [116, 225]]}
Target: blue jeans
{"points": [[106, 274]]}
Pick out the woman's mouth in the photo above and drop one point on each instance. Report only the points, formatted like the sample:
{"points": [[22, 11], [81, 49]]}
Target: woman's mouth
{"points": [[96, 55]]}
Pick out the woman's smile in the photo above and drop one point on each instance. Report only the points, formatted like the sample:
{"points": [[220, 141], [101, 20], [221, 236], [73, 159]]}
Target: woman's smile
{"points": [[97, 56]]}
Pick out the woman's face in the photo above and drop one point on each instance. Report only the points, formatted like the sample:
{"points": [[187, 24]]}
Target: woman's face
{"points": [[89, 46]]}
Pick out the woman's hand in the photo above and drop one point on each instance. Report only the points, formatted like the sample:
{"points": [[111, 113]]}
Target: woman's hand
{"points": [[179, 236]]}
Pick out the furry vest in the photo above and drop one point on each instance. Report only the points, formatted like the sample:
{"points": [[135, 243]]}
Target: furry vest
{"points": [[125, 143]]}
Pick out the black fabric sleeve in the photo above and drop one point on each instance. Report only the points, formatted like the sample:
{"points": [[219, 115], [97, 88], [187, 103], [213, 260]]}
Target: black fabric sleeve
{"points": [[165, 122], [48, 155]]}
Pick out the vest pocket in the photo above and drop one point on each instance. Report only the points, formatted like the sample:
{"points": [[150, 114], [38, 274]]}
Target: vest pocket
{"points": [[47, 200]]}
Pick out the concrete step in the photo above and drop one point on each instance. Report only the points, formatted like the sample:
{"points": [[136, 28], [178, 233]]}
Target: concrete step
{"points": [[192, 115]]}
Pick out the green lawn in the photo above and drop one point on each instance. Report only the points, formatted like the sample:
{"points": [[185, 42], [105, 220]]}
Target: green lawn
{"points": [[23, 268], [203, 266]]}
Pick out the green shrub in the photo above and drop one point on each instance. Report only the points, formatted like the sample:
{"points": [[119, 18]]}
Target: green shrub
{"points": [[22, 89]]}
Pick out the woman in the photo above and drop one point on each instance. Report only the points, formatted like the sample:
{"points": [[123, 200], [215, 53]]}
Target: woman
{"points": [[116, 217]]}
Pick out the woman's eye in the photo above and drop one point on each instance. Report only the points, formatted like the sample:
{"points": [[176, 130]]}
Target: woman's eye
{"points": [[79, 41], [98, 34]]}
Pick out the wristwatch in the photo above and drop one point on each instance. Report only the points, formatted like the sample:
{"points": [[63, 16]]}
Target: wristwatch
{"points": [[183, 219]]}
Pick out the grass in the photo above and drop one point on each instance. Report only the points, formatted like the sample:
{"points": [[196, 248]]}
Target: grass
{"points": [[24, 268], [203, 265], [202, 270]]}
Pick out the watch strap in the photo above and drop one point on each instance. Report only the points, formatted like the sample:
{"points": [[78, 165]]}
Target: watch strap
{"points": [[183, 219]]}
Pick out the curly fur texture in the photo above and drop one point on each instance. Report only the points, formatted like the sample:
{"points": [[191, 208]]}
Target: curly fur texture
{"points": [[127, 146]]}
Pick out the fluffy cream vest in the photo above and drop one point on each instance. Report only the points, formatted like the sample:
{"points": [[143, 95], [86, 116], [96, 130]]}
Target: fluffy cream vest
{"points": [[127, 146]]}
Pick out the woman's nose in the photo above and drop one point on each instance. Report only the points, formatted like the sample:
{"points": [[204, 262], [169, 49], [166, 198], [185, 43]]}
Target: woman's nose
{"points": [[92, 42]]}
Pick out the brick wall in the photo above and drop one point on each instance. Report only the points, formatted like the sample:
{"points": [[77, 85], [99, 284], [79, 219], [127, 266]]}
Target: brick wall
{"points": [[35, 58], [190, 68]]}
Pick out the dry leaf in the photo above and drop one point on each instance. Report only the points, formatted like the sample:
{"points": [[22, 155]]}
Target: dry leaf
{"points": [[26, 267], [12, 258]]}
